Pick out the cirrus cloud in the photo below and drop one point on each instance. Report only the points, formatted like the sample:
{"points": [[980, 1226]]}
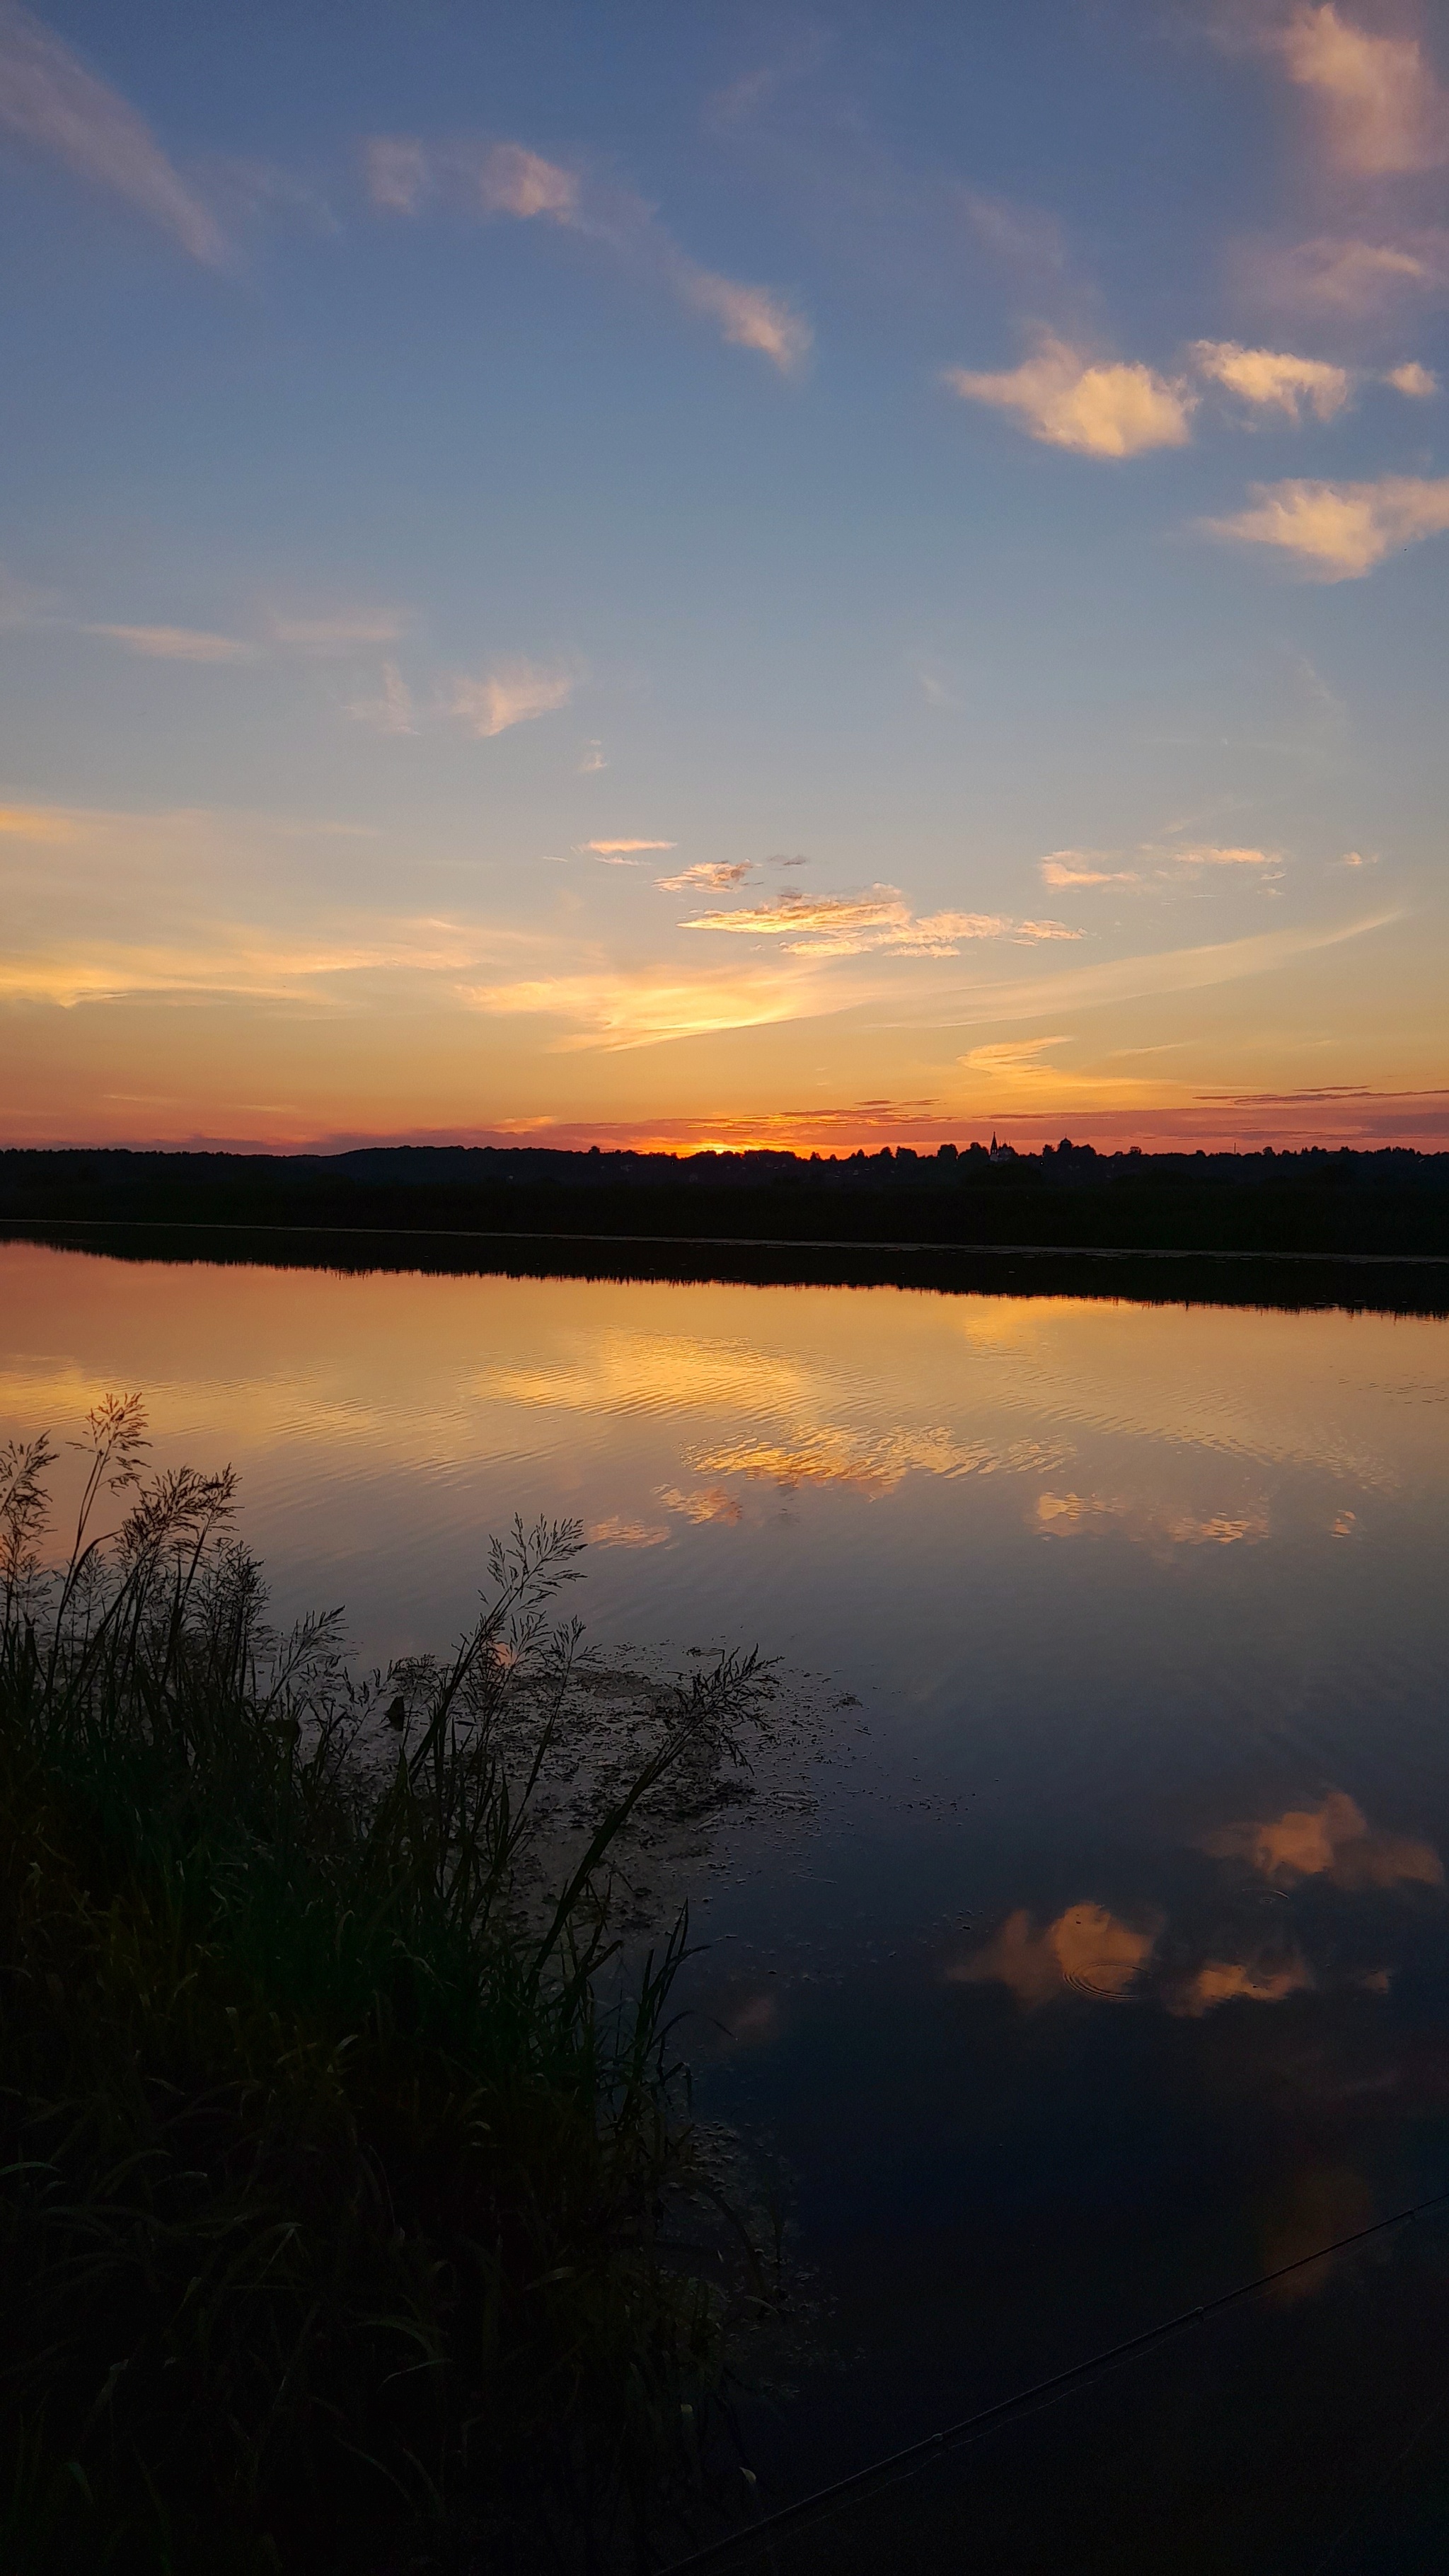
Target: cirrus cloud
{"points": [[507, 179], [50, 99], [511, 693]]}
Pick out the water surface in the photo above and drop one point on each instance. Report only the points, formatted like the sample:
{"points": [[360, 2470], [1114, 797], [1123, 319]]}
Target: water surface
{"points": [[1110, 1969]]}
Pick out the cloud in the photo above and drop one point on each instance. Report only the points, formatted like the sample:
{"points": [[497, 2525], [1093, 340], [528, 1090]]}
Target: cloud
{"points": [[591, 760], [513, 181], [751, 317], [875, 1463], [1009, 1056], [1346, 278], [1384, 111], [851, 925], [618, 851], [1130, 979], [710, 876], [512, 693], [1074, 868], [176, 643], [1264, 1980], [48, 97], [620, 1008], [1340, 531], [1412, 379], [1063, 398], [347, 634], [392, 710], [1272, 380], [507, 179]]}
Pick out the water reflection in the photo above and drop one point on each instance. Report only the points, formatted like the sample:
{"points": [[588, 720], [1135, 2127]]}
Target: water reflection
{"points": [[1086, 1948], [1333, 1841], [1141, 1606]]}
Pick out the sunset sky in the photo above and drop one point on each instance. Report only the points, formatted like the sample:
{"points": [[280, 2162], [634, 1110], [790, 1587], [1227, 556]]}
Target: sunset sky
{"points": [[724, 574]]}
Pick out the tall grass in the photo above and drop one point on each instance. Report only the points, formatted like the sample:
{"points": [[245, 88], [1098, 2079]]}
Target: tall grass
{"points": [[333, 2192]]}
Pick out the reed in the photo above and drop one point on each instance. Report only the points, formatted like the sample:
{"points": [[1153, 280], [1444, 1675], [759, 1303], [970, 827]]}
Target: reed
{"points": [[344, 2184]]}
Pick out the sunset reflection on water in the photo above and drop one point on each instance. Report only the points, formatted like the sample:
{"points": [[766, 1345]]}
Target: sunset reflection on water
{"points": [[1113, 1905]]}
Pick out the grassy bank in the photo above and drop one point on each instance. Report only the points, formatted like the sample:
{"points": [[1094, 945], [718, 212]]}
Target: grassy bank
{"points": [[336, 2197]]}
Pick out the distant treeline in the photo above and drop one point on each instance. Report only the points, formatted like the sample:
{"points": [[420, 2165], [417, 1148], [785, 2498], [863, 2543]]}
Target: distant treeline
{"points": [[1393, 1201]]}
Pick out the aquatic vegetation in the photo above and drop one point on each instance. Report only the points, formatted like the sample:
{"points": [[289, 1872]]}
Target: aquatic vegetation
{"points": [[346, 2171]]}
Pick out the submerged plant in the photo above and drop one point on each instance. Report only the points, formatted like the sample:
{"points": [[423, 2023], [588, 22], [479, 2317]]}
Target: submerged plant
{"points": [[343, 2162]]}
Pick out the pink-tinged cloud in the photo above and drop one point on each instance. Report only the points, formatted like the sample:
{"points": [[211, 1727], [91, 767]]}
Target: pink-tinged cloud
{"points": [[50, 99], [507, 179], [1384, 111], [1097, 408], [1412, 379], [176, 643], [1078, 868], [511, 693], [1340, 531], [1274, 379], [1346, 278]]}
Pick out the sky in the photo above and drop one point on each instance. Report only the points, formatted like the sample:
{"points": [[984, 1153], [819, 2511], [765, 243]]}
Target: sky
{"points": [[724, 575]]}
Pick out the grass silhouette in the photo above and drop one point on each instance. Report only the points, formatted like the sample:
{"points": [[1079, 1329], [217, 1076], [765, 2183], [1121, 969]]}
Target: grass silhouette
{"points": [[345, 2182]]}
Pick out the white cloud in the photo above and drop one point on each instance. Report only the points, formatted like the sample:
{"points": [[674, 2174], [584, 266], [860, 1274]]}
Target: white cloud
{"points": [[176, 643], [1412, 379], [48, 97], [1065, 399], [506, 178], [512, 693], [1274, 380], [1385, 112], [1339, 531], [853, 925], [591, 760]]}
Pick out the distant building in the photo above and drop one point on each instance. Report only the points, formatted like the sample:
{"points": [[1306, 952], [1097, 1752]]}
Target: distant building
{"points": [[1002, 1153]]}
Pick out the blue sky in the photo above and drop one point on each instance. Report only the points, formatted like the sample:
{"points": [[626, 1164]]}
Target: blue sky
{"points": [[716, 574]]}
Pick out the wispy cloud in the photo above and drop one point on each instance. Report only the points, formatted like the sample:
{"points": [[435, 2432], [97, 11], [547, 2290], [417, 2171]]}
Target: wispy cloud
{"points": [[1339, 531], [710, 876], [50, 99], [344, 635], [1157, 864], [1011, 1056], [618, 1008], [1384, 111], [1128, 979], [853, 925], [1274, 380], [621, 852], [392, 710], [511, 693], [177, 643], [1064, 398], [507, 179], [1345, 277]]}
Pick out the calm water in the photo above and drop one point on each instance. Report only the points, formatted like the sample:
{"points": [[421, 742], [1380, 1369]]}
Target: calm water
{"points": [[1110, 1968]]}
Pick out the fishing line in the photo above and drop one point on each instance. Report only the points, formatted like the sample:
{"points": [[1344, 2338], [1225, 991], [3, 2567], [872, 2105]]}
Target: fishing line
{"points": [[918, 2455]]}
